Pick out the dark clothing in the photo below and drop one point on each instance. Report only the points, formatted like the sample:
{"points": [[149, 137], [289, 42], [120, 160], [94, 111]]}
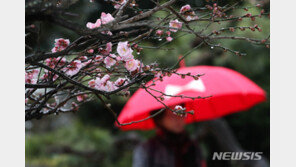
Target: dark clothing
{"points": [[168, 150]]}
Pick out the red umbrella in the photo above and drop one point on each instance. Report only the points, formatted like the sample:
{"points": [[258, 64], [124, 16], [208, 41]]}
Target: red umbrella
{"points": [[231, 92]]}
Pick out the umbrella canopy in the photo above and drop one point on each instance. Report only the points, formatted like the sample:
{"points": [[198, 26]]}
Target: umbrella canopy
{"points": [[231, 92]]}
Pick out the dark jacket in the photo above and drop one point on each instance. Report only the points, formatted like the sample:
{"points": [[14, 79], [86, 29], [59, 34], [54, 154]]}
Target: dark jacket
{"points": [[168, 150]]}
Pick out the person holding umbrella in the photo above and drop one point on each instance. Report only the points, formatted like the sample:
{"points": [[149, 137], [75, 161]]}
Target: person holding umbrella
{"points": [[171, 147], [228, 92]]}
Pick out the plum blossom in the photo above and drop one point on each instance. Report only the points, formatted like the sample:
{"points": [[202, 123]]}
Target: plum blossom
{"points": [[60, 44], [158, 74], [175, 24], [86, 62], [118, 58], [169, 39], [103, 84], [107, 32], [120, 81], [99, 58], [47, 74], [109, 86], [73, 68], [178, 107], [105, 79], [108, 49], [185, 8], [92, 83], [119, 3], [82, 58], [132, 65], [188, 13], [159, 32], [90, 51], [106, 18], [32, 76], [180, 111], [81, 98], [53, 62], [98, 83], [97, 24], [124, 51], [189, 18], [74, 106], [110, 60]]}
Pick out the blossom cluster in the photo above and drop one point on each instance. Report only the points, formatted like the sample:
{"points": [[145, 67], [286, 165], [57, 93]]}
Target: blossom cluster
{"points": [[188, 13], [175, 25], [105, 19], [31, 77], [60, 44], [109, 59], [105, 84]]}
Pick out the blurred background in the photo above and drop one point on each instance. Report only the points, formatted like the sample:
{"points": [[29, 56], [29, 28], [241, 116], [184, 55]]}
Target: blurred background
{"points": [[89, 138]]}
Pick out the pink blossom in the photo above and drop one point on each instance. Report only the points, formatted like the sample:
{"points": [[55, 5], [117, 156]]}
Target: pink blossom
{"points": [[169, 39], [124, 51], [120, 81], [107, 50], [189, 18], [188, 13], [158, 74], [52, 62], [105, 79], [47, 74], [119, 3], [110, 60], [32, 76], [109, 86], [175, 24], [74, 106], [86, 63], [106, 18], [82, 97], [168, 33], [97, 24], [107, 32], [185, 8], [178, 107], [159, 32], [92, 83], [132, 65], [179, 110], [99, 58], [73, 68], [90, 51], [109, 47], [60, 44], [82, 58], [104, 84]]}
